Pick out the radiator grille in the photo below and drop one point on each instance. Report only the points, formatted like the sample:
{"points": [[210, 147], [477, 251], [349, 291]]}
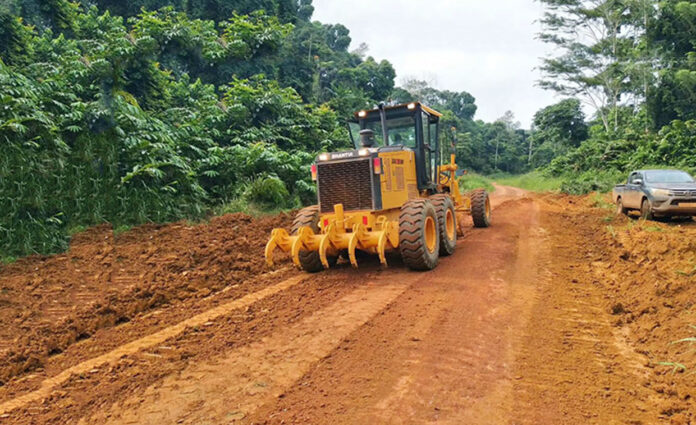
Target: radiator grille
{"points": [[348, 183]]}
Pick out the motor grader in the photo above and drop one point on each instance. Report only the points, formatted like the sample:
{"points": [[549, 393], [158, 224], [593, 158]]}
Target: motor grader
{"points": [[392, 193]]}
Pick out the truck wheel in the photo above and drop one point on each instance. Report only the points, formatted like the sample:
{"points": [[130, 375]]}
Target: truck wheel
{"points": [[481, 208], [646, 210], [447, 223], [419, 239], [309, 260], [620, 208]]}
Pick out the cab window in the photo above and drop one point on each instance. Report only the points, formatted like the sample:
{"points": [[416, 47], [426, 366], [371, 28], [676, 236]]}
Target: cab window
{"points": [[401, 131]]}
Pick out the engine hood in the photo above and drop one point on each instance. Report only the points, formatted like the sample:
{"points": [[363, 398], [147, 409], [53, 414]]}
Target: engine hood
{"points": [[673, 186]]}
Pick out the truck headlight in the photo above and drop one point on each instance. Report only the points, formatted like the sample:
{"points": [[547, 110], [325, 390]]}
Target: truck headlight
{"points": [[663, 193], [324, 157]]}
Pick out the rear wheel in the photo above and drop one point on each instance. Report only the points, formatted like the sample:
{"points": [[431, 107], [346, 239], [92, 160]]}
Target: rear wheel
{"points": [[646, 210], [447, 223], [620, 208], [310, 260], [481, 208], [419, 239]]}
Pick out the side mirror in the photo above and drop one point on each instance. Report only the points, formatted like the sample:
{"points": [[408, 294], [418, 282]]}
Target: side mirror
{"points": [[639, 182]]}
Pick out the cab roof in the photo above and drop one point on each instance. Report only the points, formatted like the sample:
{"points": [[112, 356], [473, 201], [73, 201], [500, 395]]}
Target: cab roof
{"points": [[428, 110]]}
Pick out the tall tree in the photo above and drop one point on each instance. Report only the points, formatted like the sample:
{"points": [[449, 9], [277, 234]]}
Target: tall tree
{"points": [[557, 129], [595, 51], [673, 35]]}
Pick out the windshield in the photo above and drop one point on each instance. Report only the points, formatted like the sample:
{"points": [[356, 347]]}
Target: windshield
{"points": [[402, 132], [668, 176]]}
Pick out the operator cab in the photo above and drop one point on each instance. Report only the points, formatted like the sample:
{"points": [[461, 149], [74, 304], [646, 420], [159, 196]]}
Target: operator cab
{"points": [[411, 126]]}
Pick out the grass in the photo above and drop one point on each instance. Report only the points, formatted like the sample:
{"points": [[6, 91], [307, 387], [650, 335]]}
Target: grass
{"points": [[599, 201], [7, 260], [248, 208], [533, 181], [472, 181], [122, 229], [676, 367]]}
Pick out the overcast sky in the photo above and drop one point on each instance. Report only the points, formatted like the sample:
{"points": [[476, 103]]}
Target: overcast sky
{"points": [[487, 48]]}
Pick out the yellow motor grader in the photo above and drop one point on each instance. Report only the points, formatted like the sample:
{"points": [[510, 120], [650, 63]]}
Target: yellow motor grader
{"points": [[390, 193]]}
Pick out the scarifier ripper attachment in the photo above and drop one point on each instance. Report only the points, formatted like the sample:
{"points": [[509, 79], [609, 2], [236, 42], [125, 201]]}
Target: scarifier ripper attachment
{"points": [[339, 233]]}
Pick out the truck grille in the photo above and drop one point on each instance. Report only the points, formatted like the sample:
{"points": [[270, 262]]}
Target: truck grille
{"points": [[683, 192], [348, 183]]}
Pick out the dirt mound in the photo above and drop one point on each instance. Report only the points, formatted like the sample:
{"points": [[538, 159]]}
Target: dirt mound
{"points": [[651, 275], [647, 271], [49, 303]]}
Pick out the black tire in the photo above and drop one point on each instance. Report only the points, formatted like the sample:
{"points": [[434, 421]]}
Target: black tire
{"points": [[447, 223], [646, 210], [481, 208], [310, 260], [620, 209], [416, 223]]}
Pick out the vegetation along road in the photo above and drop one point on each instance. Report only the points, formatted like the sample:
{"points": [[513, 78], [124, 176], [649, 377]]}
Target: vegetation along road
{"points": [[148, 148], [550, 316]]}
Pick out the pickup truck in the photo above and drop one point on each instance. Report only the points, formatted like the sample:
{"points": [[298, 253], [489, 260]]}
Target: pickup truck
{"points": [[657, 193]]}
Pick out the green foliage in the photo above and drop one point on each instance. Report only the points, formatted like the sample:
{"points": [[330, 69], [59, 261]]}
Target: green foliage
{"points": [[267, 191], [472, 181], [557, 128], [638, 72], [107, 121], [534, 181]]}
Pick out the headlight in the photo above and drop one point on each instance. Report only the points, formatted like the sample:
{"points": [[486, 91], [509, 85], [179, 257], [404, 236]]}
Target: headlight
{"points": [[660, 192], [364, 152], [324, 157]]}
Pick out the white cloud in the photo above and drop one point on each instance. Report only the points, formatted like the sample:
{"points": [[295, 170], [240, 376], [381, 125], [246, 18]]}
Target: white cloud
{"points": [[487, 48]]}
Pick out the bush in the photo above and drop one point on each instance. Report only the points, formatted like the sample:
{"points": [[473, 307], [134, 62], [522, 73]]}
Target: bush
{"points": [[472, 181], [103, 123], [268, 191], [591, 181]]}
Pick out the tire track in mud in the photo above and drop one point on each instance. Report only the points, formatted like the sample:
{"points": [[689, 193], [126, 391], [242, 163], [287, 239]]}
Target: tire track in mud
{"points": [[442, 352], [234, 386], [72, 401], [572, 366]]}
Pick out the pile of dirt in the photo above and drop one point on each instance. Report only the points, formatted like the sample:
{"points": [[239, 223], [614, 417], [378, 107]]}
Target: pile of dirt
{"points": [[647, 271], [49, 303], [651, 276]]}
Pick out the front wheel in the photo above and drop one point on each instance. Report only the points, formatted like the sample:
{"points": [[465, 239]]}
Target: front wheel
{"points": [[447, 223], [646, 210], [481, 208], [419, 239]]}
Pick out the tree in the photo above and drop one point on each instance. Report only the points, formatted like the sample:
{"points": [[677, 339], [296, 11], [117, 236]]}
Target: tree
{"points": [[596, 50], [557, 129], [673, 35]]}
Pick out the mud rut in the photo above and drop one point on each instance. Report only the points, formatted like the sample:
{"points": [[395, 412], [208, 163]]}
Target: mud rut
{"points": [[512, 329]]}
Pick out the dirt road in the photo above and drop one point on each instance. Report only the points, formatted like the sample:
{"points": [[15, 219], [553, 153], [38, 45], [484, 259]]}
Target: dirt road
{"points": [[530, 322]]}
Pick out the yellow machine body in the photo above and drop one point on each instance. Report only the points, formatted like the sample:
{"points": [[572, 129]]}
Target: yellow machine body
{"points": [[374, 230]]}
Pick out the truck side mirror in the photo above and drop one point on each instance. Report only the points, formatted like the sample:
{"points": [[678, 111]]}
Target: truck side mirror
{"points": [[639, 182]]}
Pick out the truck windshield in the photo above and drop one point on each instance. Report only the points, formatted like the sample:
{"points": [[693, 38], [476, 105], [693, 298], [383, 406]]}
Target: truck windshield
{"points": [[668, 176]]}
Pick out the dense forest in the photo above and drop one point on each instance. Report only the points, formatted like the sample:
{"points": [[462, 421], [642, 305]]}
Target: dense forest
{"points": [[159, 110], [153, 110], [633, 62]]}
